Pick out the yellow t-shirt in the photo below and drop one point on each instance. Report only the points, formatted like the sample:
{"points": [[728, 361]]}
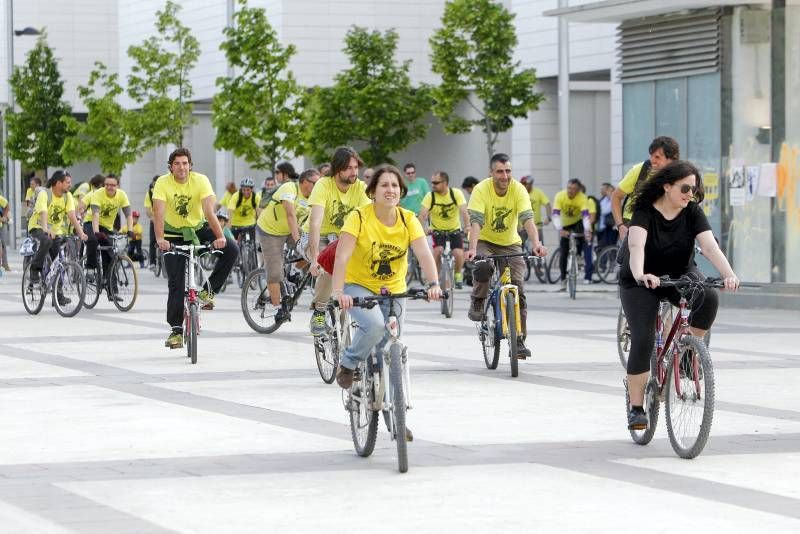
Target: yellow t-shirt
{"points": [[56, 210], [87, 202], [572, 208], [184, 201], [538, 199], [380, 256], [337, 205], [500, 214], [245, 214], [28, 194], [225, 199], [628, 185], [3, 204], [109, 206], [137, 232], [82, 190], [148, 202], [444, 213], [273, 219]]}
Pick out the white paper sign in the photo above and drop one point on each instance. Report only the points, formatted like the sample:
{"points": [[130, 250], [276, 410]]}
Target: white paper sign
{"points": [[737, 196], [751, 182], [767, 180]]}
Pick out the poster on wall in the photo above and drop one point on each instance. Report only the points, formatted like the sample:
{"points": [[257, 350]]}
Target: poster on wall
{"points": [[767, 180], [711, 186], [737, 178], [751, 182]]}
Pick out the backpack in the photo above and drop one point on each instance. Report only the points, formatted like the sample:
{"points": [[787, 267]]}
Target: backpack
{"points": [[646, 165], [433, 199]]}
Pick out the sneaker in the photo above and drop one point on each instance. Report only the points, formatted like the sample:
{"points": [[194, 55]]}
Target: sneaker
{"points": [[344, 377], [174, 341], [63, 301], [459, 285], [563, 285], [317, 324], [637, 419], [409, 435], [282, 316], [523, 352], [36, 276], [207, 298], [6, 268], [113, 297], [587, 282], [476, 309]]}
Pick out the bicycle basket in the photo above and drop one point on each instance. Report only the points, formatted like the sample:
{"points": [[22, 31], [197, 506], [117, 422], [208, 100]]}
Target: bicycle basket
{"points": [[28, 247], [121, 246]]}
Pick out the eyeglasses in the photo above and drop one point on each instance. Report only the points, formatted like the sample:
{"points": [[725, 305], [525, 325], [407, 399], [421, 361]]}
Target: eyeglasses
{"points": [[685, 188], [436, 183]]}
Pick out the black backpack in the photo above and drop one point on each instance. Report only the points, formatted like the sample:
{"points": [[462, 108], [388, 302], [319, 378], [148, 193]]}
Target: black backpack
{"points": [[433, 198], [643, 172]]}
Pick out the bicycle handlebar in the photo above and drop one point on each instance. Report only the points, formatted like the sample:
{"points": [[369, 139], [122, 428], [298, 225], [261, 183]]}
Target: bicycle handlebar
{"points": [[417, 293], [495, 257]]}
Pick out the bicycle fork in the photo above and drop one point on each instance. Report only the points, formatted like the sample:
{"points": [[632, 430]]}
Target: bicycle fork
{"points": [[504, 312]]}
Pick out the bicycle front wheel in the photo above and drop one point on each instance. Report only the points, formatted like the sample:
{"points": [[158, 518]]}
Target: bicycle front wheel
{"points": [[572, 276], [623, 338], [327, 346], [191, 325], [256, 306], [553, 267], [94, 287], [446, 283], [33, 293], [690, 398], [488, 337], [607, 268], [511, 315], [363, 419], [69, 289], [124, 284], [398, 407]]}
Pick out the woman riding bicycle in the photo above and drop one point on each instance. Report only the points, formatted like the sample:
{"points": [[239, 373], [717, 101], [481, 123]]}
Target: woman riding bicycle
{"points": [[667, 219], [244, 209], [372, 253]]}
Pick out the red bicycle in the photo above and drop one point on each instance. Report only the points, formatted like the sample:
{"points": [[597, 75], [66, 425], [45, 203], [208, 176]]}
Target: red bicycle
{"points": [[681, 375]]}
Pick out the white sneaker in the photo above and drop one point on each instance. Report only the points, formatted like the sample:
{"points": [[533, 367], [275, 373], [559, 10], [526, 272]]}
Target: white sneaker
{"points": [[587, 282]]}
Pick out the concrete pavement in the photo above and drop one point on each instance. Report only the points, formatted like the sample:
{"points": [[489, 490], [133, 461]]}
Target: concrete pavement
{"points": [[105, 430]]}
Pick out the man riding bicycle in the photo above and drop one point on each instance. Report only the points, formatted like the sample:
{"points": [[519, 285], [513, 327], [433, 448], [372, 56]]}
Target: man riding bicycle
{"points": [[572, 213], [497, 205], [447, 210], [183, 206]]}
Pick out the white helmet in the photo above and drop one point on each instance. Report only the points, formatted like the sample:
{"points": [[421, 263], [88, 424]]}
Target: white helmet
{"points": [[247, 182]]}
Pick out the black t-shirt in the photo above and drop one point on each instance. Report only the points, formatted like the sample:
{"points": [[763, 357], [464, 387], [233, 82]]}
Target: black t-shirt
{"points": [[669, 249]]}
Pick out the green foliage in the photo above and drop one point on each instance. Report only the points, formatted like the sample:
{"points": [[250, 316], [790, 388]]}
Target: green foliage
{"points": [[372, 103], [473, 51], [111, 135], [36, 132], [159, 81], [257, 114]]}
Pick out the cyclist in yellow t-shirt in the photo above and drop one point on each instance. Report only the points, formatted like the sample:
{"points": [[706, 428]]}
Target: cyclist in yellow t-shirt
{"points": [[372, 254], [243, 208], [83, 194], [34, 183], [663, 150], [135, 244], [48, 222], [332, 199], [183, 210], [539, 200], [230, 189], [447, 209], [5, 212], [278, 223], [148, 208], [497, 205], [572, 213]]}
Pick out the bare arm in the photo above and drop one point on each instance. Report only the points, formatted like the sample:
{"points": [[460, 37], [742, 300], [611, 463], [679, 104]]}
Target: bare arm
{"points": [[128, 219], [291, 219], [159, 206], [464, 217], [345, 248], [76, 225], [711, 250], [314, 225], [616, 210], [96, 218], [549, 209], [423, 218], [636, 240]]}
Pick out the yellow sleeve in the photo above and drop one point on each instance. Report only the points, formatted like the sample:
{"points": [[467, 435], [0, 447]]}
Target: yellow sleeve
{"points": [[628, 182], [589, 205], [205, 187], [147, 202], [319, 195], [125, 202], [352, 223], [231, 205], [70, 203], [543, 198], [426, 200], [364, 200], [28, 194], [258, 199], [3, 201], [523, 201], [414, 226], [160, 190], [41, 203], [558, 200], [460, 200], [476, 201]]}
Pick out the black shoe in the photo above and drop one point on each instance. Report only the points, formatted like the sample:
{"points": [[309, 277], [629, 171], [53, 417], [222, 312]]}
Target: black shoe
{"points": [[523, 352], [637, 419], [459, 285], [476, 309], [282, 316], [63, 301], [344, 377], [113, 297], [36, 276]]}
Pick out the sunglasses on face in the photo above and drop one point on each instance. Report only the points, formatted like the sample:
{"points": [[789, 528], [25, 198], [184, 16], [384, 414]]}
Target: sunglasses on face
{"points": [[436, 183], [686, 188]]}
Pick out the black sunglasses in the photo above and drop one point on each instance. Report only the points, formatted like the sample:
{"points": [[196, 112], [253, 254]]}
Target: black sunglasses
{"points": [[685, 188], [436, 183]]}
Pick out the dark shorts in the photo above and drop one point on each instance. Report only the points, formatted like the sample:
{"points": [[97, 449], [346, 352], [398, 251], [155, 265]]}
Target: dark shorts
{"points": [[456, 238]]}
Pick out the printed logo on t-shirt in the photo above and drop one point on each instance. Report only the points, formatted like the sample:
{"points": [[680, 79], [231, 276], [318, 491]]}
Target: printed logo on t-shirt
{"points": [[499, 219], [570, 211], [383, 254], [106, 210], [245, 210], [446, 210], [340, 211], [56, 213], [182, 204]]}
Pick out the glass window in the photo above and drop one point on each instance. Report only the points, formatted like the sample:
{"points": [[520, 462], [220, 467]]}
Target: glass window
{"points": [[788, 192], [638, 123]]}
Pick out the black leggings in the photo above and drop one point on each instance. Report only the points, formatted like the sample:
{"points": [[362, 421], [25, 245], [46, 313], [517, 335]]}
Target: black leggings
{"points": [[641, 309], [563, 244]]}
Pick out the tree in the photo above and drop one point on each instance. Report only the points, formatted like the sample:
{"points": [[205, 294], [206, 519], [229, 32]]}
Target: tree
{"points": [[111, 134], [257, 114], [473, 52], [373, 102], [36, 132], [159, 81]]}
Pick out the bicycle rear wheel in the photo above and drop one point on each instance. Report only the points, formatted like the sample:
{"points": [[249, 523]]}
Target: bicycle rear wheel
{"points": [[398, 407], [572, 276], [327, 346], [607, 268], [123, 283], [553, 267], [690, 406], [446, 283], [487, 333], [539, 270], [33, 293], [363, 419], [190, 327], [69, 289], [512, 333], [256, 306]]}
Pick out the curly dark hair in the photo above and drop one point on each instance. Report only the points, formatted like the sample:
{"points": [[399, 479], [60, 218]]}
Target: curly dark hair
{"points": [[668, 145], [648, 191]]}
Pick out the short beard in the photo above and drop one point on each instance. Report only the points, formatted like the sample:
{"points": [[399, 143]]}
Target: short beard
{"points": [[345, 180]]}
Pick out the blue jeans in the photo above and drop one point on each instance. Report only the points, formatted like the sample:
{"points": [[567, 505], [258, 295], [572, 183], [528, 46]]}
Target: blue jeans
{"points": [[370, 331]]}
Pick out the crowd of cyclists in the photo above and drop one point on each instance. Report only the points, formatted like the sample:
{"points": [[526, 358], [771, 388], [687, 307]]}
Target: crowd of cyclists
{"points": [[355, 235]]}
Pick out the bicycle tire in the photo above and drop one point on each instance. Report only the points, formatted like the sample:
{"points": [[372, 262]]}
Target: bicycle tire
{"points": [[158, 265], [94, 287], [70, 280], [572, 276], [553, 267], [652, 405], [124, 283], [487, 334], [689, 444], [540, 270], [512, 333], [363, 419], [623, 338], [192, 323], [447, 284], [398, 406], [33, 293], [326, 349], [254, 301], [607, 268], [528, 269]]}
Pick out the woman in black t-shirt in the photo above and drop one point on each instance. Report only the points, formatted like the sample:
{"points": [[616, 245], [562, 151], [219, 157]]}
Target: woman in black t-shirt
{"points": [[666, 222]]}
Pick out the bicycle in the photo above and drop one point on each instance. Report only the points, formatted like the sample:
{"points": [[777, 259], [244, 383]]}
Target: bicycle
{"points": [[191, 301], [414, 269], [531, 266], [606, 265], [447, 271], [121, 283], [247, 260], [682, 375], [59, 277], [501, 314], [381, 383]]}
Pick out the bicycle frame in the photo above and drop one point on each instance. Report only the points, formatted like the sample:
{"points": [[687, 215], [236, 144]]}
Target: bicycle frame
{"points": [[680, 329], [501, 287]]}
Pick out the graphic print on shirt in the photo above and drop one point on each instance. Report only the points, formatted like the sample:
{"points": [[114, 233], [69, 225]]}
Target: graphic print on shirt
{"points": [[56, 213], [446, 210], [106, 210], [182, 204], [340, 211], [570, 211], [383, 254], [499, 219]]}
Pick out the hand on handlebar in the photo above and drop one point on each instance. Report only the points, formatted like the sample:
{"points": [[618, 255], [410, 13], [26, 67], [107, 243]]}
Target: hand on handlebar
{"points": [[219, 243], [649, 280], [470, 254], [345, 301], [563, 233], [101, 236], [163, 244], [434, 293], [540, 250], [731, 283]]}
